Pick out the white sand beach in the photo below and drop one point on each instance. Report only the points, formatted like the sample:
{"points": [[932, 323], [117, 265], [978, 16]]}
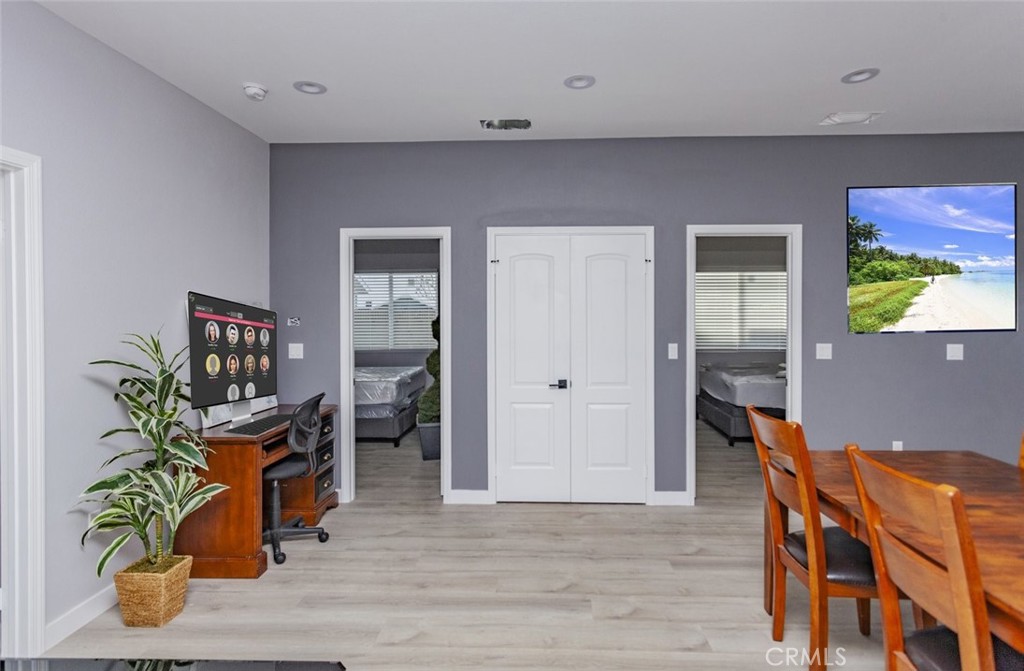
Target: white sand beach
{"points": [[941, 307]]}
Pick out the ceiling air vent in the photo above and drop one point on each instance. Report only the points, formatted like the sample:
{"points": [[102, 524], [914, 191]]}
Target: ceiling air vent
{"points": [[506, 124]]}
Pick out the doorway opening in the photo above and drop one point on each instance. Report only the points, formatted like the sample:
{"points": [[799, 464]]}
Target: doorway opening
{"points": [[393, 281], [743, 334]]}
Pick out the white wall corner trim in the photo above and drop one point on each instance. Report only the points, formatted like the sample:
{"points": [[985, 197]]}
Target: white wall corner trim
{"points": [[80, 615], [22, 405], [470, 497]]}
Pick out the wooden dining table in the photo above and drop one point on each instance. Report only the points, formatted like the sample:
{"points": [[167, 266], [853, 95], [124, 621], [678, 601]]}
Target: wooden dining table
{"points": [[994, 495]]}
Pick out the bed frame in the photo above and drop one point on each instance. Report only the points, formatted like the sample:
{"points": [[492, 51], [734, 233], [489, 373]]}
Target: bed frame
{"points": [[730, 420], [387, 429]]}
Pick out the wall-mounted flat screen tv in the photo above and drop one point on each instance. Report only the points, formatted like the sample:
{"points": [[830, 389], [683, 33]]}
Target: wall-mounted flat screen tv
{"points": [[232, 351], [932, 258]]}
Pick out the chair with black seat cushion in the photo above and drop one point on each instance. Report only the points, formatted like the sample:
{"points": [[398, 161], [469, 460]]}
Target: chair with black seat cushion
{"points": [[899, 508], [303, 435], [829, 562]]}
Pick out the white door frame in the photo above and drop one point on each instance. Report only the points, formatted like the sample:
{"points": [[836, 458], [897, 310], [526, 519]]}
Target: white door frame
{"points": [[22, 408], [492, 377], [345, 408], [794, 362]]}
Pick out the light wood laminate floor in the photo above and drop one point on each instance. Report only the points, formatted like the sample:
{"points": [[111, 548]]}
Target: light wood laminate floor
{"points": [[408, 583]]}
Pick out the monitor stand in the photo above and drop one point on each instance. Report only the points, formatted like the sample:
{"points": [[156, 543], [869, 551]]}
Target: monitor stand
{"points": [[236, 413]]}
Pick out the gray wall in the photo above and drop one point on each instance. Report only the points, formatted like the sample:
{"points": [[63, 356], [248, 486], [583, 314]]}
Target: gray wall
{"points": [[146, 194], [877, 388]]}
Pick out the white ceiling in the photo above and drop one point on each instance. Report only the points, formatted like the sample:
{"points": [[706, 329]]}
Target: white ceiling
{"points": [[424, 70]]}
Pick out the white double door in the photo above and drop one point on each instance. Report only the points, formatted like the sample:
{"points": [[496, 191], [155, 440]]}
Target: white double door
{"points": [[571, 350]]}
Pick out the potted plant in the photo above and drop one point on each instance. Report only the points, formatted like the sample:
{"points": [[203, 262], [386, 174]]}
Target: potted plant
{"points": [[148, 501], [428, 418]]}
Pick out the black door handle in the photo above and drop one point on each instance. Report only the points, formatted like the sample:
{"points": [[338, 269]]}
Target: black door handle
{"points": [[562, 384]]}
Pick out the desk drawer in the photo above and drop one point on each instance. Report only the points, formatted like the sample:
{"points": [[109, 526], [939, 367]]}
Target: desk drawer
{"points": [[324, 484], [327, 428], [324, 455]]}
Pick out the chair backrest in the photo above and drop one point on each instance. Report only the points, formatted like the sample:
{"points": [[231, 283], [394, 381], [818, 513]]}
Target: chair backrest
{"points": [[902, 514], [1021, 460], [789, 483], [304, 430]]}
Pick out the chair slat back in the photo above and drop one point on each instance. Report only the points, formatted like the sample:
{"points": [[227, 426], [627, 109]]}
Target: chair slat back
{"points": [[902, 513], [789, 480]]}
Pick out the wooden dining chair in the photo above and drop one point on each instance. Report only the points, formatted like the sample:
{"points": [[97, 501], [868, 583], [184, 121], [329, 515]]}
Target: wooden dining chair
{"points": [[828, 561], [899, 508]]}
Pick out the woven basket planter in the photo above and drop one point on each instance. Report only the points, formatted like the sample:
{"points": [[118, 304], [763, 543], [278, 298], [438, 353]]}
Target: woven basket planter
{"points": [[152, 599]]}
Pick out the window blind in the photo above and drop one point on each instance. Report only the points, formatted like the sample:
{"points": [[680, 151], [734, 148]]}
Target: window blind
{"points": [[741, 310], [393, 310]]}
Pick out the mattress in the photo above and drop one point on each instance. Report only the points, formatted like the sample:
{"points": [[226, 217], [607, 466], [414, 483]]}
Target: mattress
{"points": [[744, 384], [388, 385]]}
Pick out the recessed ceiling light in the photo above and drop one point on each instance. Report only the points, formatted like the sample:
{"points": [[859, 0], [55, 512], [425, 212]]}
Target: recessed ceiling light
{"points": [[848, 118], [506, 124], [580, 82], [860, 76], [254, 91], [312, 88]]}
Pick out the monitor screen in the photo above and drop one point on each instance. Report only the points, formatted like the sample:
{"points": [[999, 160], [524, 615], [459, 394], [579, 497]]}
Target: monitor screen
{"points": [[232, 351], [932, 258]]}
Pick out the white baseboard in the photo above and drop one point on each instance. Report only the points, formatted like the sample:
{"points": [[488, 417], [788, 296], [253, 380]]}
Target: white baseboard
{"points": [[80, 615], [470, 497], [670, 499]]}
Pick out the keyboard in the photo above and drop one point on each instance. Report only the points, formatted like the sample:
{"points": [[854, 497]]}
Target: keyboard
{"points": [[258, 426]]}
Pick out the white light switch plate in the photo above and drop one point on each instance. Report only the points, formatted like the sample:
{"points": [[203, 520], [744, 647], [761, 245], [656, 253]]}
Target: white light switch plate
{"points": [[954, 352], [823, 350], [294, 350], [673, 350]]}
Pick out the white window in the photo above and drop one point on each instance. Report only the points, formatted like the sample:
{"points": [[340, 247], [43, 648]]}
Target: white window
{"points": [[393, 310], [741, 310]]}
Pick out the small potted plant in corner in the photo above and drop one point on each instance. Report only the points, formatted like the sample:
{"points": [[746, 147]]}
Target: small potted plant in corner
{"points": [[149, 500], [428, 419]]}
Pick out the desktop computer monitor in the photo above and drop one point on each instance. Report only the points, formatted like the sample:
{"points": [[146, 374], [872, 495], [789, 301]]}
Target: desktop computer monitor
{"points": [[232, 353]]}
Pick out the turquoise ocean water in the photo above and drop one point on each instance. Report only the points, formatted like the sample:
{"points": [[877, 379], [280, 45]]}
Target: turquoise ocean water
{"points": [[992, 291]]}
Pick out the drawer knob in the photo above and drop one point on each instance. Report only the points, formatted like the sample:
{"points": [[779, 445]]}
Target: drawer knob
{"points": [[327, 483], [326, 456]]}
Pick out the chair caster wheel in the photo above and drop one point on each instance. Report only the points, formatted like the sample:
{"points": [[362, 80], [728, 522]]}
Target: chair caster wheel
{"points": [[279, 557], [323, 536]]}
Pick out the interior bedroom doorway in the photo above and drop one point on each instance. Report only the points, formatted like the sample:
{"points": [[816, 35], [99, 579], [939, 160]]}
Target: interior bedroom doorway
{"points": [[392, 281], [743, 331]]}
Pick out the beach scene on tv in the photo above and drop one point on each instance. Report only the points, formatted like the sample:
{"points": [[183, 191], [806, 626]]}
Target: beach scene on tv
{"points": [[932, 258]]}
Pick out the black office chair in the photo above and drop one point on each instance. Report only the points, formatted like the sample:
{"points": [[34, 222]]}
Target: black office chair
{"points": [[303, 434]]}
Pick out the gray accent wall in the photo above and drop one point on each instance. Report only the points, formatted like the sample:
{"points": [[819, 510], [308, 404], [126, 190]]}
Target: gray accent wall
{"points": [[876, 389], [147, 193]]}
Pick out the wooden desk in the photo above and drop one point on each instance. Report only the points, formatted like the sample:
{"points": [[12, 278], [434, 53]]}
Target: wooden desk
{"points": [[225, 537], [994, 494]]}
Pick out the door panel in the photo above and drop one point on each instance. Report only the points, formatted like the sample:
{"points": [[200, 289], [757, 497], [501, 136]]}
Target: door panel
{"points": [[607, 435], [609, 385], [532, 351]]}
